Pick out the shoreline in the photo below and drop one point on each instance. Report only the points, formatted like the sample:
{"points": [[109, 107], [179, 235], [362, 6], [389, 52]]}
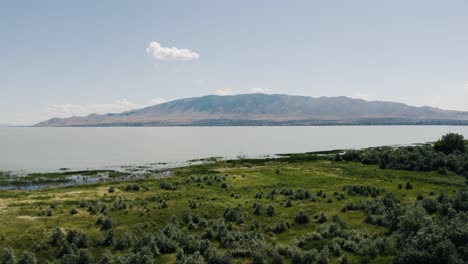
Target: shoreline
{"points": [[64, 177]]}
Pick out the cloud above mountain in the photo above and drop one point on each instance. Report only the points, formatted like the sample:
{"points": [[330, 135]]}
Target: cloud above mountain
{"points": [[260, 90], [165, 53], [224, 92], [68, 110]]}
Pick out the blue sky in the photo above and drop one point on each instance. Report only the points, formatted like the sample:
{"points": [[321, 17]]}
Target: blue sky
{"points": [[62, 58]]}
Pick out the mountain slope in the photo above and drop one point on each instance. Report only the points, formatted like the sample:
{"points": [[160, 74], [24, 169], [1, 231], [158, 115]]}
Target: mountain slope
{"points": [[262, 109]]}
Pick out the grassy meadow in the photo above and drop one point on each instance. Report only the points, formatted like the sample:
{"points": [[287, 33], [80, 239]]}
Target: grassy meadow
{"points": [[28, 218]]}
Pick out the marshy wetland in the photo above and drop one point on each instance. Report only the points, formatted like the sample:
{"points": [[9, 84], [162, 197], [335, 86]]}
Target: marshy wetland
{"points": [[380, 205]]}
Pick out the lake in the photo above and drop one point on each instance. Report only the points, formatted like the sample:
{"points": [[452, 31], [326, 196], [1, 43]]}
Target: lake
{"points": [[48, 149]]}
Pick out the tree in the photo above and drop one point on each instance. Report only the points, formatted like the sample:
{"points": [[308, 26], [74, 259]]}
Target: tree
{"points": [[450, 143], [8, 256]]}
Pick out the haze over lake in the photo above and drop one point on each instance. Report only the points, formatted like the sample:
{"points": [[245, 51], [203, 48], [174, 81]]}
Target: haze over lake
{"points": [[48, 149]]}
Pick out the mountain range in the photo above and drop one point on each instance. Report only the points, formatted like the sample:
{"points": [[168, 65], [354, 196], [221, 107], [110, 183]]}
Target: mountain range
{"points": [[269, 109]]}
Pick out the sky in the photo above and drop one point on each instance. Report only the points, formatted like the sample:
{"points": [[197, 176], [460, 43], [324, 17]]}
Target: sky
{"points": [[64, 58]]}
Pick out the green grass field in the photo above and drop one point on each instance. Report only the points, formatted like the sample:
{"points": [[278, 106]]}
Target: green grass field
{"points": [[25, 227]]}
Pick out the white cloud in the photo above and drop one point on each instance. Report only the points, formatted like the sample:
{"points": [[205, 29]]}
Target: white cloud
{"points": [[361, 96], [224, 92], [157, 101], [260, 90], [164, 53], [68, 110], [466, 86]]}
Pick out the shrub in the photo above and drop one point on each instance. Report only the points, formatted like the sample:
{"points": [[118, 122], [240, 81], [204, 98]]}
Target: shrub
{"points": [[165, 185], [8, 256], [232, 214], [258, 209], [338, 220], [302, 217], [105, 222], [270, 211], [258, 195], [322, 218], [125, 241], [27, 258], [57, 237], [409, 186], [429, 205], [107, 240], [362, 190], [133, 187]]}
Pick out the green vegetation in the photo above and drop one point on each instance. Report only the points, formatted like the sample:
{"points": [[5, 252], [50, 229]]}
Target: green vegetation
{"points": [[307, 208], [447, 154], [33, 181]]}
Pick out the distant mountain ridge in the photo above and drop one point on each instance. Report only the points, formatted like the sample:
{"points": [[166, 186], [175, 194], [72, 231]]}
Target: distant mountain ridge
{"points": [[269, 109]]}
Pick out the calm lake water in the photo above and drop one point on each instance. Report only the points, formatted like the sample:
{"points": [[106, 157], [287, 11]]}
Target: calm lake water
{"points": [[48, 149]]}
